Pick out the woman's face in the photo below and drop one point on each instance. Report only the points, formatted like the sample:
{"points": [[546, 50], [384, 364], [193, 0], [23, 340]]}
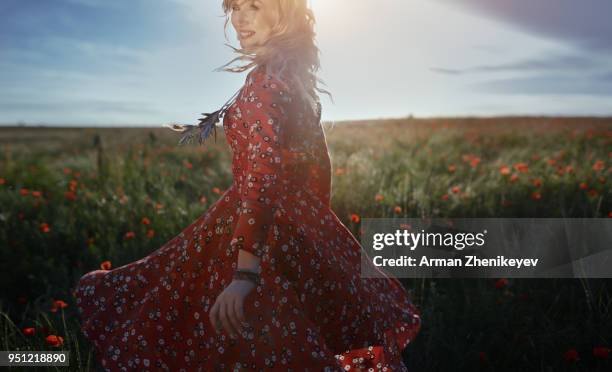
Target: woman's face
{"points": [[253, 21]]}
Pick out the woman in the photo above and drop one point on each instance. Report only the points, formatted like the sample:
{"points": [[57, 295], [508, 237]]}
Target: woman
{"points": [[268, 278]]}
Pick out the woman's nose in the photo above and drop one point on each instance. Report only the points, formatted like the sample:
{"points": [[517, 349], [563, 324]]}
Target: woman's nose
{"points": [[241, 19]]}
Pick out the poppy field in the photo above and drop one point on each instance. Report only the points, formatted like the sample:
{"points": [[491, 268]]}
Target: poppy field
{"points": [[74, 200]]}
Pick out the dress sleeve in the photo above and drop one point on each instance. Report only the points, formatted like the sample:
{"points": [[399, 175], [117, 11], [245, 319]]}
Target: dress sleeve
{"points": [[265, 114]]}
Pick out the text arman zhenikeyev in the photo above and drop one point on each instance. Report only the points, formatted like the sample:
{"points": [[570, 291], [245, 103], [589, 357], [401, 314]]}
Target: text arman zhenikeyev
{"points": [[459, 241]]}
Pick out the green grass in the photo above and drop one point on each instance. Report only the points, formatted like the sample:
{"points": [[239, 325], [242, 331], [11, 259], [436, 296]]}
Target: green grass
{"points": [[398, 168]]}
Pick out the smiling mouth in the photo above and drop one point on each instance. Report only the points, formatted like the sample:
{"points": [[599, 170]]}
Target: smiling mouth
{"points": [[246, 34]]}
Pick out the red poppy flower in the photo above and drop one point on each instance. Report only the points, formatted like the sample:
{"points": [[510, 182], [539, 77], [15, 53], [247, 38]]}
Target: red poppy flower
{"points": [[24, 192], [571, 356], [514, 178], [504, 170], [378, 197], [106, 265], [150, 233], [58, 304], [146, 221], [30, 331], [474, 161], [599, 165], [2, 181], [501, 283], [482, 357], [601, 352], [444, 197], [53, 340], [130, 235], [521, 167], [583, 186], [397, 209], [456, 189], [536, 195], [44, 227], [560, 171], [355, 217], [452, 168], [72, 185]]}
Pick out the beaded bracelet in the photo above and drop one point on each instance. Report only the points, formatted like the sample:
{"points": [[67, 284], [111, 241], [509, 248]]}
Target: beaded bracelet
{"points": [[246, 275]]}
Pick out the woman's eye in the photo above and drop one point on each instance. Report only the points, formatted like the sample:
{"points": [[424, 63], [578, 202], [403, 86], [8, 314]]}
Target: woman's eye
{"points": [[255, 7]]}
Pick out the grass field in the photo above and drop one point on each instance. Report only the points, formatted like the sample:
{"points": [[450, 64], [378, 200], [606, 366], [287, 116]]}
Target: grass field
{"points": [[75, 199]]}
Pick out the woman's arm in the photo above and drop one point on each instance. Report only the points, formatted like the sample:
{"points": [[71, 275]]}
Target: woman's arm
{"points": [[265, 113], [248, 261]]}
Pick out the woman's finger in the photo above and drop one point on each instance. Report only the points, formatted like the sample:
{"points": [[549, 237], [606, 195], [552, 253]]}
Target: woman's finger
{"points": [[224, 318], [214, 316], [239, 310], [233, 316]]}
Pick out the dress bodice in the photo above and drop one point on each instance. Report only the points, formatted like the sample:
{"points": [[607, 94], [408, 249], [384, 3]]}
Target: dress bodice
{"points": [[300, 158]]}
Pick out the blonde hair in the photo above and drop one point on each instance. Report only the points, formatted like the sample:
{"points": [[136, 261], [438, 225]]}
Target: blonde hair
{"points": [[291, 48]]}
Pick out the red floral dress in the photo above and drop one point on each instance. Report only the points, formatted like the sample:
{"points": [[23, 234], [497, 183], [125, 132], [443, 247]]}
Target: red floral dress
{"points": [[312, 312]]}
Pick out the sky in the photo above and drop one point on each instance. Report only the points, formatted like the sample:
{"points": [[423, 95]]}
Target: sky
{"points": [[152, 62]]}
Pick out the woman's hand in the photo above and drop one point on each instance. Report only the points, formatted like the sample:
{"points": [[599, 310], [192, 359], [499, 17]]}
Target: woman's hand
{"points": [[228, 310]]}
